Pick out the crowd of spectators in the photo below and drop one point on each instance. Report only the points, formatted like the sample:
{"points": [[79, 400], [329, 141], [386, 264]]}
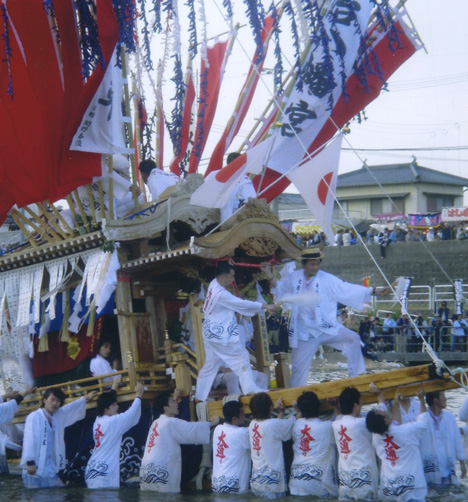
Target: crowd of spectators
{"points": [[444, 332], [385, 237]]}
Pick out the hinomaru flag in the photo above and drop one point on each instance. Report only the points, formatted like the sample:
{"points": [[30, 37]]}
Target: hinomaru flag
{"points": [[316, 182], [100, 130]]}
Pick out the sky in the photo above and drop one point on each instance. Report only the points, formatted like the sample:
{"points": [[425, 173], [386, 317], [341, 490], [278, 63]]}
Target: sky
{"points": [[425, 112]]}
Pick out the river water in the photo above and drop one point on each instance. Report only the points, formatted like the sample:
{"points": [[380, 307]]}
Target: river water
{"points": [[12, 490]]}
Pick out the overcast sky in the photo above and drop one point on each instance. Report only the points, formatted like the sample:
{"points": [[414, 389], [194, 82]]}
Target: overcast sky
{"points": [[426, 106]]}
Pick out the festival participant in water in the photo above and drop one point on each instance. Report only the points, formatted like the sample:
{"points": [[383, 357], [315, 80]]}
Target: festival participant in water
{"points": [[161, 465], [410, 407], [8, 407], [99, 364], [358, 473], [43, 444], [156, 179], [442, 444], [103, 469], [231, 452], [312, 326], [398, 447], [266, 449], [313, 471], [223, 345]]}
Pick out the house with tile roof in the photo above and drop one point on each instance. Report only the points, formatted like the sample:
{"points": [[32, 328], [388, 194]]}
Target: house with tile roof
{"points": [[364, 193]]}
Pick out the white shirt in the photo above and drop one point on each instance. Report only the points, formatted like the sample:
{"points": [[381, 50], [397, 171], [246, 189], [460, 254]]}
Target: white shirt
{"points": [[402, 475], [266, 449], [313, 471], [103, 469], [161, 464], [231, 459], [159, 180]]}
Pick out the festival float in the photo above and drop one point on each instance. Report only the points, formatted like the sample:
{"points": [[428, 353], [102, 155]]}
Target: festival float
{"points": [[100, 260]]}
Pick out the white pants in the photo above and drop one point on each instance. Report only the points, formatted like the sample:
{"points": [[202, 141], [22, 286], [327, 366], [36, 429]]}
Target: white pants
{"points": [[345, 340], [235, 357], [232, 382]]}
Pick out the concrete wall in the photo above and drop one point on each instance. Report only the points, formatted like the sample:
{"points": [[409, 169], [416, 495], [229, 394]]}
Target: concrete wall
{"points": [[410, 259]]}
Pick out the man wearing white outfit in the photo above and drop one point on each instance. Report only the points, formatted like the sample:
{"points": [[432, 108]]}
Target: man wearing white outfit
{"points": [[442, 443], [156, 179], [315, 325], [223, 345], [103, 469]]}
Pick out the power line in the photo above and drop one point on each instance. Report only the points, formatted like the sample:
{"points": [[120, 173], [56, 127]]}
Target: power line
{"points": [[419, 149]]}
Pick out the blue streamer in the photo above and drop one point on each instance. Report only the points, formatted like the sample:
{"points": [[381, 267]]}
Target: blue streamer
{"points": [[157, 27], [192, 28], [297, 50], [91, 53], [125, 12], [8, 53], [146, 42], [177, 114], [278, 70], [227, 5], [325, 69], [256, 17], [201, 116], [384, 15]]}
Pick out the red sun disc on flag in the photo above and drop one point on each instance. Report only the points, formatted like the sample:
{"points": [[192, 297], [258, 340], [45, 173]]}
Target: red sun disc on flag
{"points": [[322, 189]]}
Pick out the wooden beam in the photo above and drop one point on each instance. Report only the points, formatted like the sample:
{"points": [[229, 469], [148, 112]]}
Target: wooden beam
{"points": [[196, 314], [407, 379]]}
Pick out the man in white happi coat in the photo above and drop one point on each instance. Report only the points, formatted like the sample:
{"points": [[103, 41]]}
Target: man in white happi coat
{"points": [[399, 449], [231, 452], [43, 443], [358, 473], [223, 345], [103, 469], [313, 470], [442, 443], [266, 446], [156, 179], [315, 325], [161, 465]]}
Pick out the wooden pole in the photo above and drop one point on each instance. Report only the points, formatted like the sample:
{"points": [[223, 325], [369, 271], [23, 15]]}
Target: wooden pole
{"points": [[71, 206], [111, 186], [101, 199], [196, 315], [129, 127], [17, 216], [89, 191], [62, 220], [81, 210], [52, 220]]}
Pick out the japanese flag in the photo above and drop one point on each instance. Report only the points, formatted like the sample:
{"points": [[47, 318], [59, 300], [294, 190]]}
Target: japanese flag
{"points": [[316, 182], [101, 129], [219, 185]]}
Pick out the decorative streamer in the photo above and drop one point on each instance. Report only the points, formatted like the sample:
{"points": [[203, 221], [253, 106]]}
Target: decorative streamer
{"points": [[256, 18], [297, 48], [384, 15], [146, 41], [192, 28], [228, 6], [125, 12], [204, 42], [157, 27], [319, 38], [278, 70], [302, 21], [6, 41], [91, 53]]}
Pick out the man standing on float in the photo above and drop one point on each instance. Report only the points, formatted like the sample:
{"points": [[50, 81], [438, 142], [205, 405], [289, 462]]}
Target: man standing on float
{"points": [[315, 325], [223, 345]]}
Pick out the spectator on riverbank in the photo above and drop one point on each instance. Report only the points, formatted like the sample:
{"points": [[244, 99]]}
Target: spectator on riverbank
{"points": [[431, 235], [460, 329], [388, 330]]}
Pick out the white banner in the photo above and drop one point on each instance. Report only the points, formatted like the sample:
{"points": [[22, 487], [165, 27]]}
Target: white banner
{"points": [[101, 128], [306, 111]]}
